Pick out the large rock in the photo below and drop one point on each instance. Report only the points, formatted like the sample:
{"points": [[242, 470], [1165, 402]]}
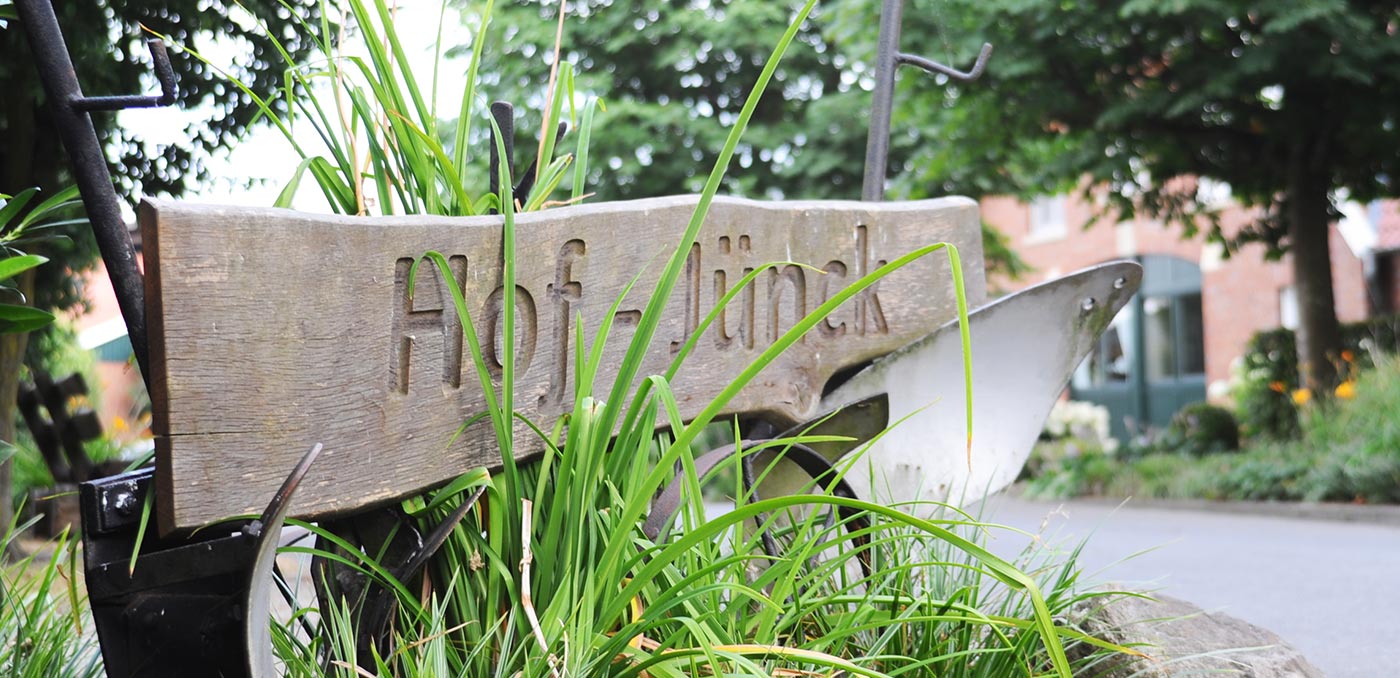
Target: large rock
{"points": [[1181, 639]]}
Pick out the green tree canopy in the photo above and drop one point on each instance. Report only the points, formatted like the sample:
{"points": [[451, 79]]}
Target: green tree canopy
{"points": [[674, 74], [106, 41], [1288, 103]]}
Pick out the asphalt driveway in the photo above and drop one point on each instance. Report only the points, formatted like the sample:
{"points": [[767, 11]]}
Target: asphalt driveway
{"points": [[1330, 588]]}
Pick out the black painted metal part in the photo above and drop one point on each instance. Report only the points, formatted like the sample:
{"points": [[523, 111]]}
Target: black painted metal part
{"points": [[181, 607], [162, 607], [70, 111], [60, 436]]}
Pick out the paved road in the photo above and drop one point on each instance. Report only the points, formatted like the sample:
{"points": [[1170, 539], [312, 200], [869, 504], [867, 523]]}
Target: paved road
{"points": [[1332, 589]]}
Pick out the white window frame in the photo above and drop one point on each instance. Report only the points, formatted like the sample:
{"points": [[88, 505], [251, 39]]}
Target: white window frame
{"points": [[1048, 219], [1288, 307]]}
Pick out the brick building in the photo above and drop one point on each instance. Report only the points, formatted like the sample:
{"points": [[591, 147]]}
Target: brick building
{"points": [[120, 395], [1200, 308], [1386, 277]]}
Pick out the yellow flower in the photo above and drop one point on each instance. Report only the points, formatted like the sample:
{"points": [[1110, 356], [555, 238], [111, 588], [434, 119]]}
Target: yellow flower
{"points": [[1301, 396], [1346, 390], [118, 424]]}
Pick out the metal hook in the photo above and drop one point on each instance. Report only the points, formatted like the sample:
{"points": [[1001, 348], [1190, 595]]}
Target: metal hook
{"points": [[935, 67], [85, 153], [888, 60], [257, 633], [165, 74]]}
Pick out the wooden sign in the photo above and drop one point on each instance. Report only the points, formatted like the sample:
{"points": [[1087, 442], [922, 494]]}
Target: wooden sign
{"points": [[272, 330]]}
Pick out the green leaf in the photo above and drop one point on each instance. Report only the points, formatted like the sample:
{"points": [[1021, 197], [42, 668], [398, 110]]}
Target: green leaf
{"points": [[12, 207], [14, 319], [67, 197], [585, 135], [13, 266]]}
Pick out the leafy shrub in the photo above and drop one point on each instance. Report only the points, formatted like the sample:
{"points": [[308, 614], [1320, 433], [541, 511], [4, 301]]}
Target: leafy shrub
{"points": [[1268, 372], [1267, 473], [1070, 418], [1356, 441], [1202, 428], [1059, 472]]}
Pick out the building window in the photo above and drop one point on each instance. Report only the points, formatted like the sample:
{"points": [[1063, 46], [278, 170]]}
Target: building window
{"points": [[115, 351], [1167, 325], [1111, 360], [1174, 341], [1288, 307], [1048, 217]]}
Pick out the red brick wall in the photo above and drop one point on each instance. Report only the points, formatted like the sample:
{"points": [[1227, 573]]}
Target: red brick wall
{"points": [[1239, 296], [117, 381]]}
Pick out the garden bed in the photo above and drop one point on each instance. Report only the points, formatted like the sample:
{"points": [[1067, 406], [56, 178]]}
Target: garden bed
{"points": [[1347, 450]]}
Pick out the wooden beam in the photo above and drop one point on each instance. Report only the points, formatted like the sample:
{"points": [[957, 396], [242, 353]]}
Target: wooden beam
{"points": [[273, 330]]}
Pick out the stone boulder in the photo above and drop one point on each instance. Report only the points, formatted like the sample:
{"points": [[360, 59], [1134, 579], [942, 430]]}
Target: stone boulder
{"points": [[1181, 639]]}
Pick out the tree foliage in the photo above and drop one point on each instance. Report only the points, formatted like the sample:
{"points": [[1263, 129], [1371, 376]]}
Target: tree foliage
{"points": [[1291, 104], [674, 74], [1137, 94], [106, 41]]}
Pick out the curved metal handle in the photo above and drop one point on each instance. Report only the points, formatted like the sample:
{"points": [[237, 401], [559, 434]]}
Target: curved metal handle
{"points": [[935, 67]]}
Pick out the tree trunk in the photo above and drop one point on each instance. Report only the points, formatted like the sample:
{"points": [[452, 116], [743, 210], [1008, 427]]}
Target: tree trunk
{"points": [[1319, 334], [11, 357]]}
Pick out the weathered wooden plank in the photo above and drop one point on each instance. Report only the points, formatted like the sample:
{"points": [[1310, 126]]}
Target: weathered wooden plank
{"points": [[272, 330]]}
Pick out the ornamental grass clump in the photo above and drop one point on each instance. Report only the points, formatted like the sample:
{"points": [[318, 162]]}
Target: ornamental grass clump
{"points": [[549, 573], [45, 629]]}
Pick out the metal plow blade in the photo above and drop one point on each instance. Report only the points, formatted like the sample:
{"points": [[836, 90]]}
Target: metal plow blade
{"points": [[1024, 348]]}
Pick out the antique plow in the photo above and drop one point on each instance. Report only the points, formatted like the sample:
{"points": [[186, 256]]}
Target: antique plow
{"points": [[370, 378]]}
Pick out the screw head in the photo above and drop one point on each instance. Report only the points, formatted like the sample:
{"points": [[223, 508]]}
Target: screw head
{"points": [[1088, 304], [124, 502], [1120, 283]]}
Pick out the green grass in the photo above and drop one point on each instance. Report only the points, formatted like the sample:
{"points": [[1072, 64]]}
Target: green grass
{"points": [[45, 630]]}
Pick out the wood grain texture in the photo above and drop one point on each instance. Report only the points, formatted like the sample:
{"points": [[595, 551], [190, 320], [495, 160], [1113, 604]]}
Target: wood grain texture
{"points": [[273, 330]]}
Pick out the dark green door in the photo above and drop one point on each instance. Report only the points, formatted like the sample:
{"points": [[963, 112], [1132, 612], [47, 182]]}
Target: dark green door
{"points": [[1151, 360]]}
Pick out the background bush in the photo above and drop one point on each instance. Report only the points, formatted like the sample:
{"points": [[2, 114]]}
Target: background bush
{"points": [[1268, 373], [1202, 428]]}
